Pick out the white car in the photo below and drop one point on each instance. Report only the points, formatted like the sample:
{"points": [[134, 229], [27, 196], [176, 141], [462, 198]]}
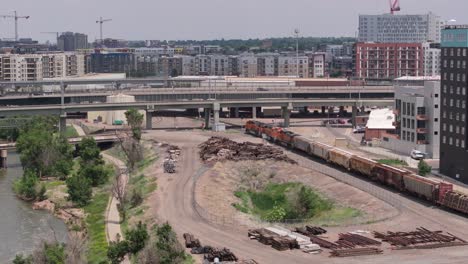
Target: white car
{"points": [[417, 155]]}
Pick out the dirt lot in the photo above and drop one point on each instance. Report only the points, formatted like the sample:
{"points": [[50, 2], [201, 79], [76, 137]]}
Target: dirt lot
{"points": [[174, 201], [215, 190]]}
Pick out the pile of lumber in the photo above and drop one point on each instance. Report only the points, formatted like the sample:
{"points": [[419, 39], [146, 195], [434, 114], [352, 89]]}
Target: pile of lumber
{"points": [[263, 236], [355, 252], [420, 238], [191, 241], [358, 240], [220, 254], [284, 243], [310, 230], [219, 148]]}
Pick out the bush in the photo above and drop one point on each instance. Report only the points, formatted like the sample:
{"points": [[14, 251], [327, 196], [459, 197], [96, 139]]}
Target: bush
{"points": [[424, 168], [26, 186], [79, 190], [20, 259], [136, 238], [41, 194], [96, 174], [276, 214], [136, 198], [117, 251]]}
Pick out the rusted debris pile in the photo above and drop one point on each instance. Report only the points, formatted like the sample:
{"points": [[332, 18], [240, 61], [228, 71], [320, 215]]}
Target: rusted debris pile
{"points": [[422, 238], [219, 148], [355, 252], [220, 254], [169, 164], [310, 230], [350, 240], [191, 241], [210, 253]]}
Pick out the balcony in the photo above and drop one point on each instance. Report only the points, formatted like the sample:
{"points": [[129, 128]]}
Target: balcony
{"points": [[421, 130], [422, 117]]}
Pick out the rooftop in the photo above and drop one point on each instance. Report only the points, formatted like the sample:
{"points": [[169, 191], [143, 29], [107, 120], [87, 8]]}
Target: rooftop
{"points": [[381, 119]]}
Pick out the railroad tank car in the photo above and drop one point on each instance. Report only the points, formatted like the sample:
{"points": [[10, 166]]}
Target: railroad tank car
{"points": [[362, 165], [303, 144], [389, 175], [320, 150], [422, 187], [456, 200], [340, 157]]}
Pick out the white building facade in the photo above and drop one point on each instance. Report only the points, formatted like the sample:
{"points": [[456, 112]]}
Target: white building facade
{"points": [[431, 60], [389, 28]]}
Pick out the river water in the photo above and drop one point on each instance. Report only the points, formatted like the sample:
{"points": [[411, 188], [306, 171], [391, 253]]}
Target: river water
{"points": [[21, 227]]}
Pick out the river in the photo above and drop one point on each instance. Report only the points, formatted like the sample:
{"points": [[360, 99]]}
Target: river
{"points": [[21, 227]]}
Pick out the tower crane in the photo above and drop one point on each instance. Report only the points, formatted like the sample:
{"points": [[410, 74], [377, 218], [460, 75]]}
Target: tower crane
{"points": [[394, 6], [16, 17], [100, 22]]}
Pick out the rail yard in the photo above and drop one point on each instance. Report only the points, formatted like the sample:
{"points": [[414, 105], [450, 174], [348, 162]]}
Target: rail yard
{"points": [[423, 216]]}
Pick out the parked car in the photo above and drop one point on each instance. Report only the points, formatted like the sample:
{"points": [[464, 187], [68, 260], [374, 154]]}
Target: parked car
{"points": [[359, 129], [417, 155]]}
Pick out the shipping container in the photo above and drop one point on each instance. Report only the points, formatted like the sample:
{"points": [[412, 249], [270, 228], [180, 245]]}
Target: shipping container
{"points": [[390, 176], [457, 201], [320, 150], [303, 144], [340, 157], [362, 165], [422, 187]]}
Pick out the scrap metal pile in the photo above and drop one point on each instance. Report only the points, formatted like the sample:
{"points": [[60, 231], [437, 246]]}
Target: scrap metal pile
{"points": [[422, 238], [210, 253], [169, 163], [219, 148], [282, 239]]}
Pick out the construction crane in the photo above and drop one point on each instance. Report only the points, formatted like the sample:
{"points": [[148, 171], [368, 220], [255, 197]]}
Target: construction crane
{"points": [[394, 6], [102, 21], [16, 17]]}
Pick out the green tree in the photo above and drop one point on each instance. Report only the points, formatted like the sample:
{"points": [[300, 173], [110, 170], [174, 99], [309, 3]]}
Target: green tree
{"points": [[54, 253], [91, 163], [135, 121], [116, 251], [44, 150], [276, 214], [168, 247], [89, 152], [79, 190], [25, 187], [424, 168], [136, 238]]}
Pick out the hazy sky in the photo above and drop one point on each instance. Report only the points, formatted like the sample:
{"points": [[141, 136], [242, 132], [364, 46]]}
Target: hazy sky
{"points": [[208, 19]]}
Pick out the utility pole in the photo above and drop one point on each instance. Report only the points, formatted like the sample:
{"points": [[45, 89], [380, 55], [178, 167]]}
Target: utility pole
{"points": [[296, 33], [16, 17], [100, 22]]}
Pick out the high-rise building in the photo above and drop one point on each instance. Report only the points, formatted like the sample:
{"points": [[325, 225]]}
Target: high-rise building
{"points": [[293, 66], [70, 41], [431, 59], [389, 28], [388, 60], [453, 148]]}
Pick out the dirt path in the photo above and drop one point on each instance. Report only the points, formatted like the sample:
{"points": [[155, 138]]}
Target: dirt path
{"points": [[113, 229], [174, 202], [79, 130]]}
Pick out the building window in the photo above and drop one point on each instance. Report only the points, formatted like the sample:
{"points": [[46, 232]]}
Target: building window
{"points": [[436, 133], [436, 106], [450, 141], [462, 143], [463, 118], [444, 140], [444, 127], [451, 128], [436, 119], [457, 142], [463, 130]]}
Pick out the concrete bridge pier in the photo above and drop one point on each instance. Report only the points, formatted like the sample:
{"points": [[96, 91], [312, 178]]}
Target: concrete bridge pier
{"points": [[149, 119], [3, 158], [341, 111], [286, 113], [323, 110], [254, 112], [207, 113], [353, 118], [216, 109], [63, 123]]}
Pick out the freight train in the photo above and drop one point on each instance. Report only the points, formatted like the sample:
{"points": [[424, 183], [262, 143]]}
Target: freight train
{"points": [[439, 193]]}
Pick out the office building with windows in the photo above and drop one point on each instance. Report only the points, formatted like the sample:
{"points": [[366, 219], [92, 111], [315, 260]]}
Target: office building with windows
{"points": [[453, 146]]}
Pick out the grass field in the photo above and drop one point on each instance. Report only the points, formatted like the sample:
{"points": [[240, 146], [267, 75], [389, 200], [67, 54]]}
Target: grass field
{"points": [[393, 162], [70, 132], [96, 226], [291, 201]]}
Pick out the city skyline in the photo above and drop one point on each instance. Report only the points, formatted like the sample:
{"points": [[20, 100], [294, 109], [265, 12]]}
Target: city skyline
{"points": [[206, 19]]}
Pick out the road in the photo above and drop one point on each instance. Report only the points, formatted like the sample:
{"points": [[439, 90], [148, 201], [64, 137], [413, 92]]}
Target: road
{"points": [[175, 203]]}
